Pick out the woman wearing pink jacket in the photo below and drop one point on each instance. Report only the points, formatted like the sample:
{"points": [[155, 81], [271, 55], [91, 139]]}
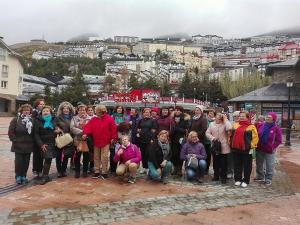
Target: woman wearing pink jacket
{"points": [[220, 130], [128, 158]]}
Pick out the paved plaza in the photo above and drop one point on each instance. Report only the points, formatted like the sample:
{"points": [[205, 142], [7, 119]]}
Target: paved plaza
{"points": [[111, 201]]}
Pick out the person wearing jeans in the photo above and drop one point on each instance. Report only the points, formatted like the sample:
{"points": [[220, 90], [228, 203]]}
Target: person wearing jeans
{"points": [[194, 148], [159, 153], [192, 173], [270, 137]]}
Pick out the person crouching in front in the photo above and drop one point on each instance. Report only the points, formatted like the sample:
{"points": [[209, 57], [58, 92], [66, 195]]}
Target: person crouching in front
{"points": [[128, 158], [159, 156], [194, 155]]}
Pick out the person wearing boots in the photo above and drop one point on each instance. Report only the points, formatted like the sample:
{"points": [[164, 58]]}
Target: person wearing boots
{"points": [[44, 134], [20, 134]]}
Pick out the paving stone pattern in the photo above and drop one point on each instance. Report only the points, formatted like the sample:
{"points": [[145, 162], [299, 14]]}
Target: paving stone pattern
{"points": [[216, 196]]}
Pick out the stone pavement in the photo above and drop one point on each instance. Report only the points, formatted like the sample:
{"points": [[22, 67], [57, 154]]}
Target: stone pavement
{"points": [[88, 201]]}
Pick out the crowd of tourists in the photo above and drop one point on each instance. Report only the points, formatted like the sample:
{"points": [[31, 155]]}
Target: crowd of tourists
{"points": [[157, 142]]}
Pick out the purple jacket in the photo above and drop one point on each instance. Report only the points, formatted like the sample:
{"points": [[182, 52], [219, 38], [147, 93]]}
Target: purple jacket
{"points": [[274, 139], [197, 149], [131, 152]]}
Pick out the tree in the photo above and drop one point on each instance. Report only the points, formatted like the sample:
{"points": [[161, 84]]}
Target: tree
{"points": [[247, 83], [133, 82], [185, 87], [48, 95], [165, 89], [108, 84], [76, 91], [151, 83]]}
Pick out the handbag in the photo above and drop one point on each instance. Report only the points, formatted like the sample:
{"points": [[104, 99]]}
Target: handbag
{"points": [[63, 140], [216, 147], [82, 146], [192, 163]]}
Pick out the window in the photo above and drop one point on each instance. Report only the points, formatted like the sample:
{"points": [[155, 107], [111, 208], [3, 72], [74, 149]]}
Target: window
{"points": [[2, 54], [4, 84], [4, 71]]}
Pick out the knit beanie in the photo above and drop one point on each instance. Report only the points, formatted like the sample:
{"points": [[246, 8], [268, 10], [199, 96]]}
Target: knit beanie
{"points": [[273, 115]]}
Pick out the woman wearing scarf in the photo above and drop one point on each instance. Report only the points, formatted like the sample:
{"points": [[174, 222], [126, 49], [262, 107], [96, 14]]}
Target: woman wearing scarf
{"points": [[178, 134], [244, 141], [159, 155], [44, 135], [77, 124], [20, 133], [270, 137], [145, 135], [62, 123]]}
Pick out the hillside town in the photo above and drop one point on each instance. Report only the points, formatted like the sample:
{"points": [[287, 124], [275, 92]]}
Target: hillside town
{"points": [[165, 60]]}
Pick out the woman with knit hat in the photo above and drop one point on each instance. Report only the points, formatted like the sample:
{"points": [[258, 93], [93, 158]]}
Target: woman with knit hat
{"points": [[270, 137]]}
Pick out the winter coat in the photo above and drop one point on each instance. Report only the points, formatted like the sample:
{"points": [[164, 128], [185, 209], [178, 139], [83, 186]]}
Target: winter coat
{"points": [[165, 123], [200, 126], [76, 127], [146, 126], [220, 131], [180, 129], [131, 152], [193, 148], [250, 138], [155, 154], [22, 142], [134, 124], [274, 139], [45, 136], [102, 129]]}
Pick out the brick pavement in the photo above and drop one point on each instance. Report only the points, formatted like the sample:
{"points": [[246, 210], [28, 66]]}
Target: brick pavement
{"points": [[179, 202], [216, 197]]}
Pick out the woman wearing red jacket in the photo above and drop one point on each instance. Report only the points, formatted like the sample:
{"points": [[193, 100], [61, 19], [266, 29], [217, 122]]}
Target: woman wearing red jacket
{"points": [[104, 131]]}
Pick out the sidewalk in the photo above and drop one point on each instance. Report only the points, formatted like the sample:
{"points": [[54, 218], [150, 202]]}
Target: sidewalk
{"points": [[93, 201]]}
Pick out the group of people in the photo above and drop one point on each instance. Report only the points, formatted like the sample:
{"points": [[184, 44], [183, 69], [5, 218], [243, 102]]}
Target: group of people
{"points": [[157, 142]]}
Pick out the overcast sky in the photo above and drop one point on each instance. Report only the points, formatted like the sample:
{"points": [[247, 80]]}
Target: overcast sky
{"points": [[59, 20]]}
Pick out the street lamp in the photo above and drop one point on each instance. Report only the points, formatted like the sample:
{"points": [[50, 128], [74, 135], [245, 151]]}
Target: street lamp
{"points": [[289, 84], [194, 95]]}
